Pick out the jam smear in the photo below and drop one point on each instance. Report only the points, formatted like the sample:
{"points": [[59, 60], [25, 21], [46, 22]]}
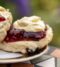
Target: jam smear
{"points": [[2, 19], [22, 35]]}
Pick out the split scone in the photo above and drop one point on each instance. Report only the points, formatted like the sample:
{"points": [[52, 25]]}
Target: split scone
{"points": [[5, 22], [28, 35]]}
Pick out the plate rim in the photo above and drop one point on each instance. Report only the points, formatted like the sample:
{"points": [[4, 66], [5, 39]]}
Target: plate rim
{"points": [[16, 60]]}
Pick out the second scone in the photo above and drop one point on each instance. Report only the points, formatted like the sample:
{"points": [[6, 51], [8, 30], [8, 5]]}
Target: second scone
{"points": [[27, 34], [5, 22]]}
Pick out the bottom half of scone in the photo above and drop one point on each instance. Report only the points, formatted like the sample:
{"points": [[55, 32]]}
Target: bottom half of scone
{"points": [[28, 46]]}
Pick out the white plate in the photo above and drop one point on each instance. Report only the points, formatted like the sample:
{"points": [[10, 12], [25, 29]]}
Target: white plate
{"points": [[6, 57]]}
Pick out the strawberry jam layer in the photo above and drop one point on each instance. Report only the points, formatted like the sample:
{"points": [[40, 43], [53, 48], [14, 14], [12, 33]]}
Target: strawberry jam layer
{"points": [[2, 19], [14, 35]]}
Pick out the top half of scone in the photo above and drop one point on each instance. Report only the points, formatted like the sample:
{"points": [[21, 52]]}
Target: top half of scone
{"points": [[28, 29], [5, 22], [5, 18]]}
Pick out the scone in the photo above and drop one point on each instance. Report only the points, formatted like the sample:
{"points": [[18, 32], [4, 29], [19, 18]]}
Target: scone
{"points": [[28, 35], [5, 22]]}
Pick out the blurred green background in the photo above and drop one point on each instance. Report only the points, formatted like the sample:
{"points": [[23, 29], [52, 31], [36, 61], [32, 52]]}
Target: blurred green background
{"points": [[49, 10]]}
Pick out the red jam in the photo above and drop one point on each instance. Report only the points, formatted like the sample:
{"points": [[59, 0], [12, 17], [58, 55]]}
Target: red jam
{"points": [[2, 19], [21, 35]]}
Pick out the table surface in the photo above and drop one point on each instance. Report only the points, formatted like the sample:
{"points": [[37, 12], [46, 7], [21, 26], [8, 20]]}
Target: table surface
{"points": [[52, 52]]}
